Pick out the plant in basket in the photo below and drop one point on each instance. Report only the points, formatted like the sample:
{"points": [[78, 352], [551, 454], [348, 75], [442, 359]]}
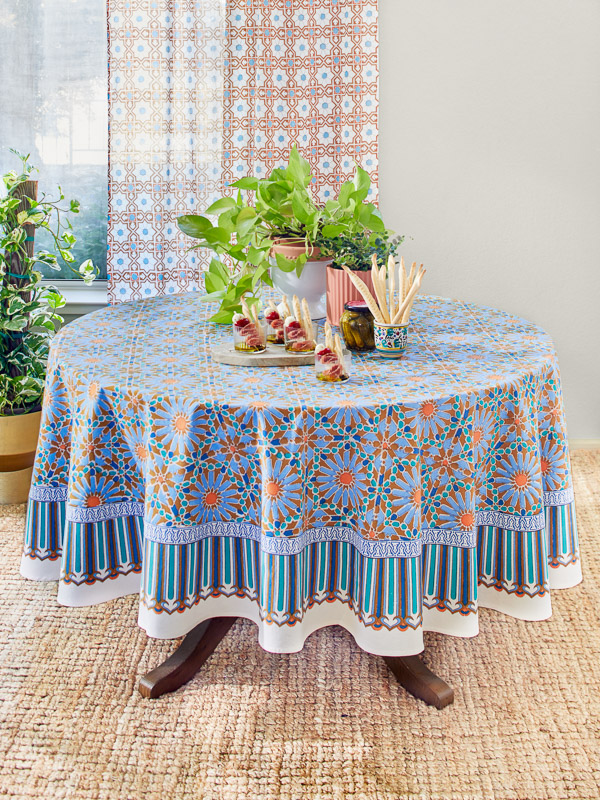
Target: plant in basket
{"points": [[28, 316], [273, 231]]}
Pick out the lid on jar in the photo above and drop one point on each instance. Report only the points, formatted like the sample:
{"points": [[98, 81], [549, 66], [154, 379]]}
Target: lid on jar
{"points": [[356, 305]]}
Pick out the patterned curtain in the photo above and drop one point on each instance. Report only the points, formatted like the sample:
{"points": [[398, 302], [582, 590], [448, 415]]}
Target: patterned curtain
{"points": [[166, 121], [203, 92]]}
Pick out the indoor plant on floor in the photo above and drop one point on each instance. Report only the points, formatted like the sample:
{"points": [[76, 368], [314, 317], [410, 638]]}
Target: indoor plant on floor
{"points": [[28, 318], [281, 236]]}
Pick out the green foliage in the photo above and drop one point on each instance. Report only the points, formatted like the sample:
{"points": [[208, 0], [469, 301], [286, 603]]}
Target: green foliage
{"points": [[28, 309], [280, 207], [356, 252]]}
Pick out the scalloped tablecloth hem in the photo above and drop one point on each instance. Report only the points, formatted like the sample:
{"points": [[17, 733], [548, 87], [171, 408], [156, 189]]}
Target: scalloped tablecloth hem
{"points": [[289, 638]]}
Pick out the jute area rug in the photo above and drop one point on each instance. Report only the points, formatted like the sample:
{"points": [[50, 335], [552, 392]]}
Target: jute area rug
{"points": [[327, 723]]}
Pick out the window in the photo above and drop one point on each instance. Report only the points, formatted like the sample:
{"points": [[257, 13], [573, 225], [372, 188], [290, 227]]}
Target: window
{"points": [[53, 79]]}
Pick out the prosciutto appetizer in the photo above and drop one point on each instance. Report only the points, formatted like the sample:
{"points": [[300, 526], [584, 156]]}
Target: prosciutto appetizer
{"points": [[249, 335], [329, 358], [298, 329], [275, 321]]}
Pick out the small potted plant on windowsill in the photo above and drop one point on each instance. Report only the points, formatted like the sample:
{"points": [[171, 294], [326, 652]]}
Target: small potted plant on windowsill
{"points": [[281, 236], [28, 318]]}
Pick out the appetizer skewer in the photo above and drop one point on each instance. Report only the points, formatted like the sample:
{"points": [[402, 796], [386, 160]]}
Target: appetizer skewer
{"points": [[329, 359], [298, 328], [249, 334], [275, 321]]}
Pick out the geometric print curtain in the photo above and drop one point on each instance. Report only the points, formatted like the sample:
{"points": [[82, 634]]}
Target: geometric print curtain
{"points": [[301, 72], [202, 92], [165, 138]]}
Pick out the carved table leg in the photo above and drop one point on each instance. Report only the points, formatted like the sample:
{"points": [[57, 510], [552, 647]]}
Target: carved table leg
{"points": [[420, 681], [201, 642], [182, 665]]}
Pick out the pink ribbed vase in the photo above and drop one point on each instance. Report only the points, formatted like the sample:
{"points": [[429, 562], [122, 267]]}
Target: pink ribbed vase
{"points": [[340, 290]]}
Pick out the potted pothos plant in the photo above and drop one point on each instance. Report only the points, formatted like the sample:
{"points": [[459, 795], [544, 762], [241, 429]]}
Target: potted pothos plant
{"points": [[273, 231], [28, 316]]}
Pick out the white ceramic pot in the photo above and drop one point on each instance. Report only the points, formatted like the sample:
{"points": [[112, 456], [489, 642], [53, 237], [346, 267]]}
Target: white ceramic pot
{"points": [[312, 285]]}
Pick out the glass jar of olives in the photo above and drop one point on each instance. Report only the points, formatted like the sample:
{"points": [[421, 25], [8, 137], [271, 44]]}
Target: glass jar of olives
{"points": [[356, 325]]}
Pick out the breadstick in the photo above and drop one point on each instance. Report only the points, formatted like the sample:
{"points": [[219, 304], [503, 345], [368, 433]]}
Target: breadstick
{"points": [[286, 308], [328, 336], [411, 277], [382, 275], [412, 292], [403, 281], [297, 309], [254, 312], [337, 346], [392, 280], [365, 293], [406, 315], [308, 326], [408, 299], [398, 319], [246, 310], [379, 290]]}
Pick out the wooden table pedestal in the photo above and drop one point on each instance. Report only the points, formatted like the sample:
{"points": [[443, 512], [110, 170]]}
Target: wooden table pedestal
{"points": [[201, 642]]}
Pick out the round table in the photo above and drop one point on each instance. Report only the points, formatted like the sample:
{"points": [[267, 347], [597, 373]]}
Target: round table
{"points": [[398, 502]]}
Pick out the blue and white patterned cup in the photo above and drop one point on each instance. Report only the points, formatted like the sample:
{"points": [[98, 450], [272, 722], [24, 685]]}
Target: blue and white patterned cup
{"points": [[390, 340]]}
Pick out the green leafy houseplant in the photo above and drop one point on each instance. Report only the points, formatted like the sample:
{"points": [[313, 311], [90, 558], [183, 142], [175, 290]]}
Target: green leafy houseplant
{"points": [[281, 208], [28, 309], [356, 252]]}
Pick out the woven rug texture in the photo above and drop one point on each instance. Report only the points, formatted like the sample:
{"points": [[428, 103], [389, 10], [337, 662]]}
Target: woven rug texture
{"points": [[324, 724]]}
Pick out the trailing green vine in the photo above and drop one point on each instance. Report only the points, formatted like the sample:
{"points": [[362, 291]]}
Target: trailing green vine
{"points": [[29, 309], [280, 207]]}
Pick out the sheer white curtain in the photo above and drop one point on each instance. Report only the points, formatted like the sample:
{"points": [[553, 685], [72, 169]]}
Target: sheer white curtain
{"points": [[53, 70], [166, 122]]}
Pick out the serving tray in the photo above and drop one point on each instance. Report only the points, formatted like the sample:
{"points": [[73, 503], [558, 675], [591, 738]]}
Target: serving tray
{"points": [[273, 356]]}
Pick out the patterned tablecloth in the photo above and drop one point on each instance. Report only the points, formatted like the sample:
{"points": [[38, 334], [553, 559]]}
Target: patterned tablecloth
{"points": [[398, 502]]}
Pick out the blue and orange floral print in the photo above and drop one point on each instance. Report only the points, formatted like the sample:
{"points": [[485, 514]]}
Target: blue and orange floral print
{"points": [[153, 458]]}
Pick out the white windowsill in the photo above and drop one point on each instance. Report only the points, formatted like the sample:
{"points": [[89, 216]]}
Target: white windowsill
{"points": [[81, 299]]}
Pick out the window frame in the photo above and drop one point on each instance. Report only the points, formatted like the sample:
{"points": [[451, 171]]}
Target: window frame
{"points": [[80, 299]]}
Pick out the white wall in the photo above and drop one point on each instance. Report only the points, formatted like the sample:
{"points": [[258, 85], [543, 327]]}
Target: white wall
{"points": [[490, 161]]}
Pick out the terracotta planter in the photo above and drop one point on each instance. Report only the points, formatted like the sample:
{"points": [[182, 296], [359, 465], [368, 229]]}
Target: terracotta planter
{"points": [[340, 290], [18, 441], [312, 283], [292, 248]]}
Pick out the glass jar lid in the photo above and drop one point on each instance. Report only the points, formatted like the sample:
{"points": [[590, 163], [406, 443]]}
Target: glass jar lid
{"points": [[356, 305]]}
